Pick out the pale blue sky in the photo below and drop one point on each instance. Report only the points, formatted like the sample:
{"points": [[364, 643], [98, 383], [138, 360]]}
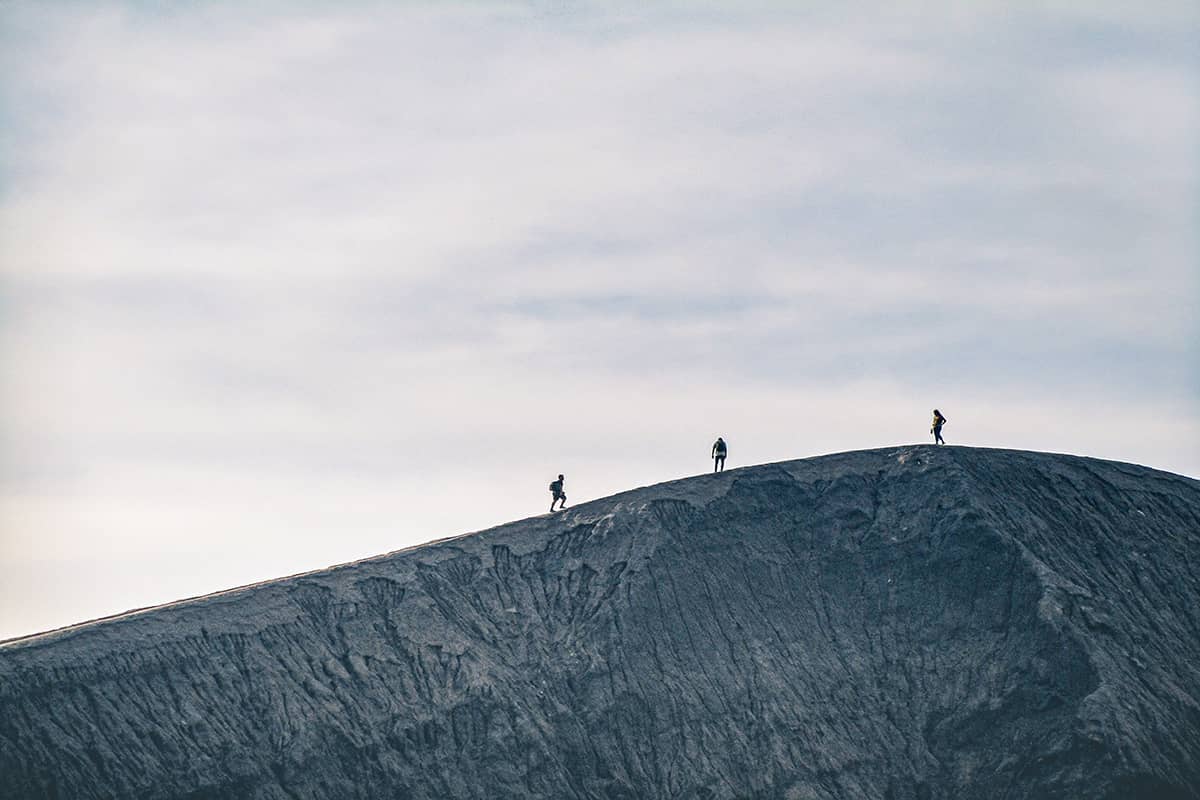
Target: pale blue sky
{"points": [[296, 285]]}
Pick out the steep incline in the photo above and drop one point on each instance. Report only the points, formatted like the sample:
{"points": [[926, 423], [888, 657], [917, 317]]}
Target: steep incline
{"points": [[904, 623]]}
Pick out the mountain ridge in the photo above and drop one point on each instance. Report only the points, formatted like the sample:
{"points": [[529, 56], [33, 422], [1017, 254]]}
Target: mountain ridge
{"points": [[442, 540], [905, 622]]}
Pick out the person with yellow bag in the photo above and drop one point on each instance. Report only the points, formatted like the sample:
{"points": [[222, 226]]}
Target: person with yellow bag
{"points": [[936, 429]]}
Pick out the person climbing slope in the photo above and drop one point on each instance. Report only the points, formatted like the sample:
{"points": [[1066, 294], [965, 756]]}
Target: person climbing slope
{"points": [[557, 493], [936, 429], [718, 454]]}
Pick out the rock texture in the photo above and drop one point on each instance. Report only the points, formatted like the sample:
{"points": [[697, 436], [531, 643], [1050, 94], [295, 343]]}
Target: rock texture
{"points": [[904, 623]]}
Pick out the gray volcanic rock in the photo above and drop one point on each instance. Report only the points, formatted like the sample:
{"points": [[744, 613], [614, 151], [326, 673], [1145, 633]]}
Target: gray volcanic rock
{"points": [[907, 623]]}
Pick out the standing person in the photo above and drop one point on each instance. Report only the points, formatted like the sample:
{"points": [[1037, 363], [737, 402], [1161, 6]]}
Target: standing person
{"points": [[557, 493], [718, 454], [936, 430]]}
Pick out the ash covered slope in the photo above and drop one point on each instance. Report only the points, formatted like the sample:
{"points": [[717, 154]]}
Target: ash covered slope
{"points": [[902, 623]]}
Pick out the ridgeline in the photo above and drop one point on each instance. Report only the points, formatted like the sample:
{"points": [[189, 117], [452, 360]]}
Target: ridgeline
{"points": [[906, 623]]}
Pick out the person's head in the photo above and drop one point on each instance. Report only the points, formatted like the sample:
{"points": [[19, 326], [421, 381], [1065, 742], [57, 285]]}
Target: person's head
{"points": [[560, 477], [937, 413]]}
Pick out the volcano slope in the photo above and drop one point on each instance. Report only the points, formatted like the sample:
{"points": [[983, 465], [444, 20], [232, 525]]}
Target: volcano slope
{"points": [[906, 623]]}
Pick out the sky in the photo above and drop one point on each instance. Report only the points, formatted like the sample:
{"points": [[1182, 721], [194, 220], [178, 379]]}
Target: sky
{"points": [[284, 285]]}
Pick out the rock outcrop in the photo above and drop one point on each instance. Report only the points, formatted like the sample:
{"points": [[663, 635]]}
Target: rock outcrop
{"points": [[905, 623]]}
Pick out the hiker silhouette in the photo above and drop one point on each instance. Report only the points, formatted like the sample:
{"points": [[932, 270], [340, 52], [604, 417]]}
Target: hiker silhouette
{"points": [[936, 428], [719, 450], [557, 494]]}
